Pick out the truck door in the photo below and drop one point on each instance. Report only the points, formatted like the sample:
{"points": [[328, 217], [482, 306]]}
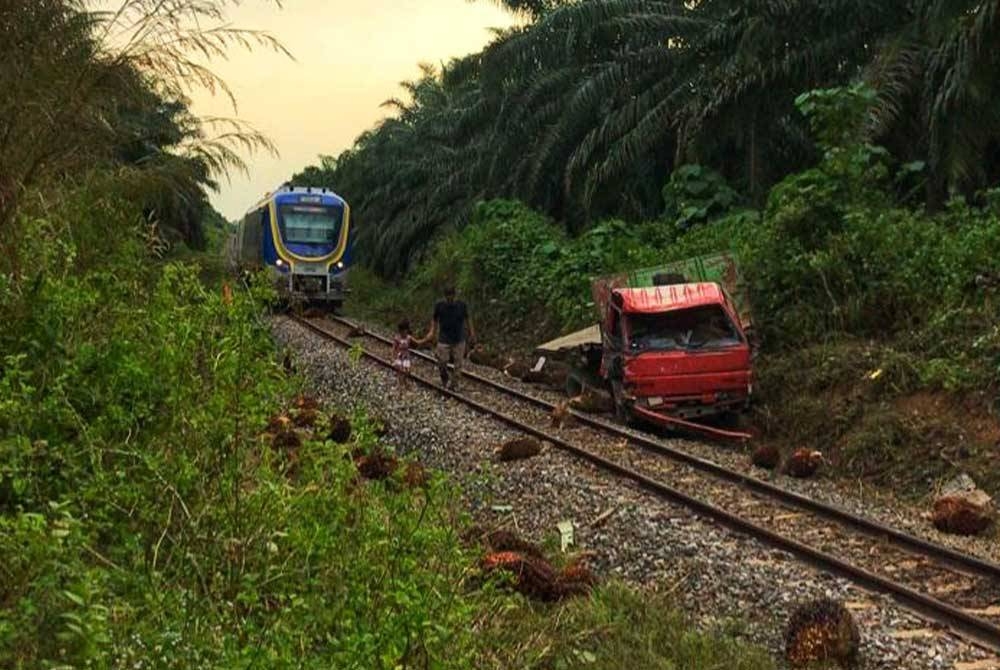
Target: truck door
{"points": [[613, 361], [613, 345]]}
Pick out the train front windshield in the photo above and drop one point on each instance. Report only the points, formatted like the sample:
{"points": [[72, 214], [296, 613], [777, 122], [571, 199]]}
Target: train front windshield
{"points": [[310, 224]]}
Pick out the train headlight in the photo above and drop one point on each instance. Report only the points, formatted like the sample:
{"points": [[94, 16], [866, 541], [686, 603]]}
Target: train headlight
{"points": [[279, 263], [340, 265]]}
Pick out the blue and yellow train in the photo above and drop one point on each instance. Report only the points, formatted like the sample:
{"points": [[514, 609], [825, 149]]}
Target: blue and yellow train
{"points": [[302, 235]]}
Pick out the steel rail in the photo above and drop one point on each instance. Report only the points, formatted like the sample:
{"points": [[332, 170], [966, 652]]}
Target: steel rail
{"points": [[956, 559], [957, 620]]}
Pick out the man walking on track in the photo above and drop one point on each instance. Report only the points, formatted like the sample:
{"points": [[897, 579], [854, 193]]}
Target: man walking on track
{"points": [[451, 325]]}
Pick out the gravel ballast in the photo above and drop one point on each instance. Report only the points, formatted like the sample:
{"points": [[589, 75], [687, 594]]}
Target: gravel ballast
{"points": [[721, 579]]}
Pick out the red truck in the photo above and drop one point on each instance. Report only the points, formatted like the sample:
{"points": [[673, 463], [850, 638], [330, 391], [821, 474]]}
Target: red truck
{"points": [[670, 351]]}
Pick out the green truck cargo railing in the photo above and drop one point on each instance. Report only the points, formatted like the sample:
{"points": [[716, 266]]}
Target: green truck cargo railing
{"points": [[721, 269]]}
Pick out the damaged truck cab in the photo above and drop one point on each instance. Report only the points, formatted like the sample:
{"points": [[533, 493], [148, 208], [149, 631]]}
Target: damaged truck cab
{"points": [[671, 345], [678, 350]]}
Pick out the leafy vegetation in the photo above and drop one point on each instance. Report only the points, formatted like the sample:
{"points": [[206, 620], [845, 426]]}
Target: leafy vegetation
{"points": [[147, 521], [616, 628], [109, 94]]}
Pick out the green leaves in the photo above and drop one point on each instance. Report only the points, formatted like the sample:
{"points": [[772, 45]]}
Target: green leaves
{"points": [[696, 194], [519, 268], [145, 518]]}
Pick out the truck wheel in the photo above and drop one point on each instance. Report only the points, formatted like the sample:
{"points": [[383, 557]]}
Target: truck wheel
{"points": [[622, 413], [574, 385], [736, 419]]}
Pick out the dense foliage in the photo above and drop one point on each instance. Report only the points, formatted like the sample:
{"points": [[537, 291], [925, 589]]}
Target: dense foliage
{"points": [[585, 112], [826, 258], [144, 518], [105, 90]]}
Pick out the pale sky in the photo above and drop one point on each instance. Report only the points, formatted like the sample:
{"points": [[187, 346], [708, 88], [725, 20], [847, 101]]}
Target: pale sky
{"points": [[350, 56]]}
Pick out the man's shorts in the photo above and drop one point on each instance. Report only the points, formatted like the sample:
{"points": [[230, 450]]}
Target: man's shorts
{"points": [[451, 353]]}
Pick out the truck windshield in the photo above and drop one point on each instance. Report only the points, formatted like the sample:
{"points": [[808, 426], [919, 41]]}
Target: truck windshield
{"points": [[698, 328], [309, 224]]}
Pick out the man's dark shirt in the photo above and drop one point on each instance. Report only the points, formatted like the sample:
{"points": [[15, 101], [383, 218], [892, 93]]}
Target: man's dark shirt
{"points": [[451, 321]]}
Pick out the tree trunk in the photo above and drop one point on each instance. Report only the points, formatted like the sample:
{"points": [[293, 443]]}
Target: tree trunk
{"points": [[937, 191], [8, 232], [8, 200]]}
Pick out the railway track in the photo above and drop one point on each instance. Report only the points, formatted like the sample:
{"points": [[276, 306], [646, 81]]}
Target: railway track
{"points": [[959, 592]]}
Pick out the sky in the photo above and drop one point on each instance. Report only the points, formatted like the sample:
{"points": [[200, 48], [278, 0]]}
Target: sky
{"points": [[350, 56]]}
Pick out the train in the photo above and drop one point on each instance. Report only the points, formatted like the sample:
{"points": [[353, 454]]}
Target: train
{"points": [[300, 235]]}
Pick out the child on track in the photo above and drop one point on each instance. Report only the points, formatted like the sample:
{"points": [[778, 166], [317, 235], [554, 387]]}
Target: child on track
{"points": [[401, 344]]}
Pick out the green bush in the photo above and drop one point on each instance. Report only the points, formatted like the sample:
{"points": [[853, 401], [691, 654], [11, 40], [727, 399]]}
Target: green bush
{"points": [[823, 266], [515, 262], [142, 517], [696, 194], [616, 628]]}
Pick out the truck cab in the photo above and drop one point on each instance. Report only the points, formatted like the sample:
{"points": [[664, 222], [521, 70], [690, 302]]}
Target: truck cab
{"points": [[672, 344], [677, 350]]}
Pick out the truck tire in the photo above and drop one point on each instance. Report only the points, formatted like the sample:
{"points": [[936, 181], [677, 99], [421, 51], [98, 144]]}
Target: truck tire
{"points": [[622, 412], [735, 419], [574, 384]]}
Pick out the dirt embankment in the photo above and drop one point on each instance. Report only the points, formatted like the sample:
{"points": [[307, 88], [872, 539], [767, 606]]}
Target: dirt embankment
{"points": [[860, 405]]}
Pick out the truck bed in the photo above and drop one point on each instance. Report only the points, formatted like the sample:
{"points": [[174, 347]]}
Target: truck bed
{"points": [[581, 338]]}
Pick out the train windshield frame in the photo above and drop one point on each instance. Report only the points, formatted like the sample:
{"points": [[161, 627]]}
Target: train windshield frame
{"points": [[310, 224]]}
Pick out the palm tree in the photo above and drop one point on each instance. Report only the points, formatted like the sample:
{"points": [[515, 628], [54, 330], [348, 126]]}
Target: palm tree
{"points": [[939, 82], [673, 82], [586, 110], [530, 8], [106, 89], [412, 176]]}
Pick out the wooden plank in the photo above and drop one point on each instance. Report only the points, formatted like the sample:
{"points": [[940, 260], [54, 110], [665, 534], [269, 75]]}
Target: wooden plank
{"points": [[913, 634]]}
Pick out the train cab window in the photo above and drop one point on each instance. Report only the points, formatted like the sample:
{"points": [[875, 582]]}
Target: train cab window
{"points": [[303, 224]]}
